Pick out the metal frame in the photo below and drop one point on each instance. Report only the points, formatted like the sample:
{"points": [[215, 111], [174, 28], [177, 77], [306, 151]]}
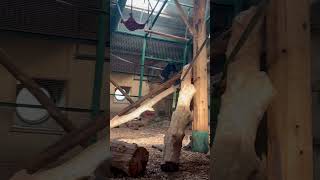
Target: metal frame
{"points": [[144, 48], [99, 64]]}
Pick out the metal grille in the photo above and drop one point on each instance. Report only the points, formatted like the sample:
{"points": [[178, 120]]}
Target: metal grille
{"points": [[49, 17], [156, 48]]}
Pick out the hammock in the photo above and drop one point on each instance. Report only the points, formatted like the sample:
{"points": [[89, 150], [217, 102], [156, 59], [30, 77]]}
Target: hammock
{"points": [[131, 24]]}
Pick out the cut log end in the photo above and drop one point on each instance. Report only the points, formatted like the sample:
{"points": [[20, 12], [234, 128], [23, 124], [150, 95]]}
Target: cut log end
{"points": [[129, 158], [139, 161]]}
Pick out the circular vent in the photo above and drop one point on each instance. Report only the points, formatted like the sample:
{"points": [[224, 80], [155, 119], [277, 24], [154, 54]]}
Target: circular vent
{"points": [[30, 115], [119, 96]]}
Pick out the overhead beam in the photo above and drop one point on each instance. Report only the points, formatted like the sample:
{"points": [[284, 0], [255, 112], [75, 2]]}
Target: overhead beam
{"points": [[289, 117]]}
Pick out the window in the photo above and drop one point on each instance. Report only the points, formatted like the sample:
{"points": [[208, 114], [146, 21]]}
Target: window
{"points": [[34, 119], [30, 115], [119, 96]]}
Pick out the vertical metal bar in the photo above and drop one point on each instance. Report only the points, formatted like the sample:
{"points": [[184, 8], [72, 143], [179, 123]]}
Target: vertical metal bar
{"points": [[142, 64], [100, 52]]}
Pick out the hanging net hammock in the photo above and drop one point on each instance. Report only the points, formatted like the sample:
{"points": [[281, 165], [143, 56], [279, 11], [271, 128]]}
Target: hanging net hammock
{"points": [[131, 24]]}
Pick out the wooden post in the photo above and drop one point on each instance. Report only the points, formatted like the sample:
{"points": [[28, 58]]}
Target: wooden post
{"points": [[289, 117], [200, 121], [166, 35]]}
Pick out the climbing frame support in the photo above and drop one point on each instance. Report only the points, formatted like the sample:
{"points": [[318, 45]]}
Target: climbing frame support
{"points": [[200, 78], [289, 117]]}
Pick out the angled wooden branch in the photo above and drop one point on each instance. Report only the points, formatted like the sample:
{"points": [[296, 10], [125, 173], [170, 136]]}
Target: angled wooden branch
{"points": [[122, 91], [147, 106], [184, 17], [151, 94]]}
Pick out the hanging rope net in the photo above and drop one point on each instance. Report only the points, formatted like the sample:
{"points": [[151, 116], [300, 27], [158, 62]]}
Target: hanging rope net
{"points": [[131, 24]]}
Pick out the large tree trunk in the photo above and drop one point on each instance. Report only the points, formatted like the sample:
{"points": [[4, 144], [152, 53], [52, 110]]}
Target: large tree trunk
{"points": [[247, 95], [129, 158], [179, 121]]}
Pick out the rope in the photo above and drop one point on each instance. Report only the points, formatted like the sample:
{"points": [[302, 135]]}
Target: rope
{"points": [[119, 9]]}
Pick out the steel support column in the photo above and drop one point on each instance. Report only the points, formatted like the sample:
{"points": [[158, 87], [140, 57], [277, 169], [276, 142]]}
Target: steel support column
{"points": [[100, 51]]}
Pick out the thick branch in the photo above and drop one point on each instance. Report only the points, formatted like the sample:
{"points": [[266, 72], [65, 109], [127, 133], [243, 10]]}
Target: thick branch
{"points": [[151, 94], [147, 106]]}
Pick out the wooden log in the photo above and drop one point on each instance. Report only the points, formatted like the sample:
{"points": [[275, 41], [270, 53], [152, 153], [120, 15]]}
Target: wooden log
{"points": [[179, 121], [167, 35], [151, 94], [290, 146], [36, 91], [147, 106], [200, 133], [129, 158], [247, 95]]}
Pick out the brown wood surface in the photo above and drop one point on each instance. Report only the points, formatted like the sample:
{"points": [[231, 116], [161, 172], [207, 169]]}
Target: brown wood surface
{"points": [[200, 73], [129, 158], [289, 118]]}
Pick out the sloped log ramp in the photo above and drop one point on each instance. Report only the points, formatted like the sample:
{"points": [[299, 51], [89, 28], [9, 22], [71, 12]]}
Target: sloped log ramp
{"points": [[129, 158]]}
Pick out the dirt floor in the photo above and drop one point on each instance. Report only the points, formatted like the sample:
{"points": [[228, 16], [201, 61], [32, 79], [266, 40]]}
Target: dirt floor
{"points": [[193, 166]]}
